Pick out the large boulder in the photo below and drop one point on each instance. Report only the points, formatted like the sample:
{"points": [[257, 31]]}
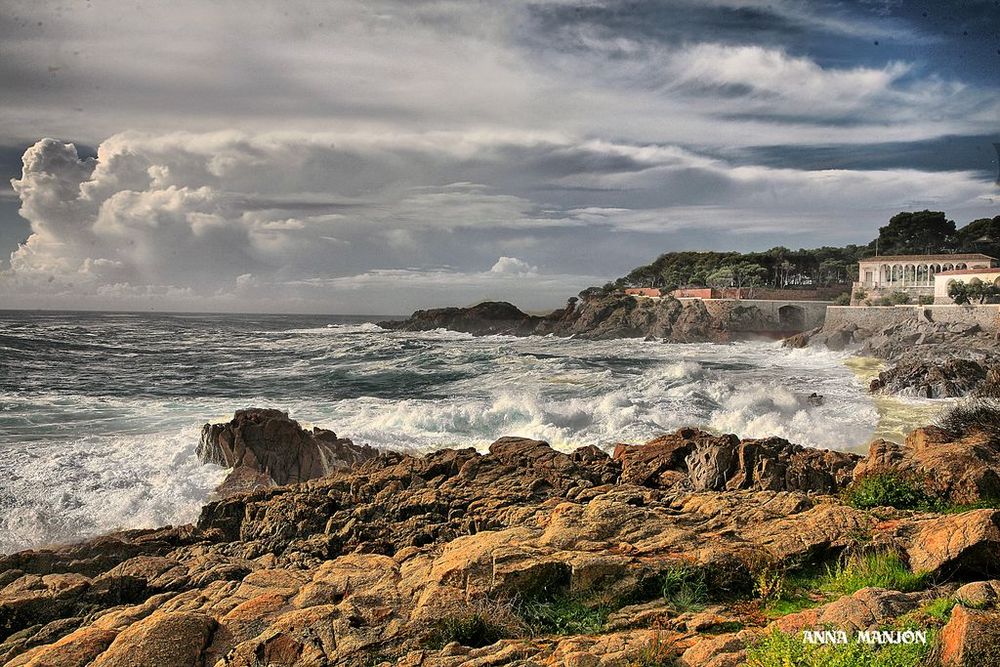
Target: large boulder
{"points": [[266, 448], [662, 462], [165, 639], [770, 464], [930, 377], [971, 638], [704, 461], [954, 544], [958, 470]]}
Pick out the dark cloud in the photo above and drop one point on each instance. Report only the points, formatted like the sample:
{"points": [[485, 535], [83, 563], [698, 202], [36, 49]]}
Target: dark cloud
{"points": [[951, 153]]}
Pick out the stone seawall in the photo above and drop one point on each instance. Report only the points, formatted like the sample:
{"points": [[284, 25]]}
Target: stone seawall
{"points": [[879, 317], [774, 316]]}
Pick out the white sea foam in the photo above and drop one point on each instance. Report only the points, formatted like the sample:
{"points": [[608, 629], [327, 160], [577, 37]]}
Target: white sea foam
{"points": [[55, 495], [106, 441]]}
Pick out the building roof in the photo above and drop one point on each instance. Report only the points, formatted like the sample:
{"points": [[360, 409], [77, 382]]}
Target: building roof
{"points": [[928, 258], [965, 272]]}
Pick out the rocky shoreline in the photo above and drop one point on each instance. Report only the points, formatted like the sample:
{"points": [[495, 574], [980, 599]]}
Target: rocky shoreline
{"points": [[923, 358], [691, 549]]}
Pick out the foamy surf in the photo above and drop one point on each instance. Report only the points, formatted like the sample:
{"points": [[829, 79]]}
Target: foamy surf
{"points": [[99, 436]]}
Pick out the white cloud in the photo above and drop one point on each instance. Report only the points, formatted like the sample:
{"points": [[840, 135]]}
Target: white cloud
{"points": [[515, 266]]}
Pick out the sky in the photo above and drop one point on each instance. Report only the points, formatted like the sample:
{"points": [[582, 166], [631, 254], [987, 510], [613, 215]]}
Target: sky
{"points": [[379, 156]]}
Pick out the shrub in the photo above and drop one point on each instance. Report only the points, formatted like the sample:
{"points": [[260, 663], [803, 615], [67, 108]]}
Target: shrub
{"points": [[780, 649], [769, 583], [886, 490], [899, 298], [562, 615], [976, 416], [876, 569], [925, 300], [842, 300], [860, 295]]}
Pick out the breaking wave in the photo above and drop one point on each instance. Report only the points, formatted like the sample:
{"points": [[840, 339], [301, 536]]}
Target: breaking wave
{"points": [[99, 414]]}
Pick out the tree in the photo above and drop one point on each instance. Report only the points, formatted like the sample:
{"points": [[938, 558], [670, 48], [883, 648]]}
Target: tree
{"points": [[748, 274], [721, 278], [981, 235], [973, 291], [916, 233]]}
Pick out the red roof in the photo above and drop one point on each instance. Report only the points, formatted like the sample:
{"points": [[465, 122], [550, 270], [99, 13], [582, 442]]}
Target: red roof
{"points": [[926, 258], [965, 272]]}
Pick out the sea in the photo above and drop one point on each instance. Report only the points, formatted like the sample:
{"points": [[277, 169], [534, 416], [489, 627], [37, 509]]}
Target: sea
{"points": [[100, 413]]}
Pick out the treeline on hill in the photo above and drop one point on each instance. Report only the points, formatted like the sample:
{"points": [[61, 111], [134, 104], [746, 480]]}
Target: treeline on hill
{"points": [[908, 233]]}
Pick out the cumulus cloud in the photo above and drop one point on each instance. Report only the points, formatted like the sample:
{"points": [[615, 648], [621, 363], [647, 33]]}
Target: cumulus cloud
{"points": [[513, 265], [348, 222]]}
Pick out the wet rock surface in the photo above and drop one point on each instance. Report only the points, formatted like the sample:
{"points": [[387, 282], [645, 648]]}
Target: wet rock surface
{"points": [[378, 560], [265, 448], [923, 358]]}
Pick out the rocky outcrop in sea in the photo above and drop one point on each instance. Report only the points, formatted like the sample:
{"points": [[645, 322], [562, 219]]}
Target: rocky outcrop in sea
{"points": [[692, 549], [600, 318]]}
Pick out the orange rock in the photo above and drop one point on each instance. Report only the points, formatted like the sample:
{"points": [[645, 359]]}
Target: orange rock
{"points": [[164, 639], [971, 638]]}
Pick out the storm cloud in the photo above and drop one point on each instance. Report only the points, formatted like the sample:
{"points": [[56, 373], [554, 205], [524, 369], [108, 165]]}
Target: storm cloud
{"points": [[381, 156]]}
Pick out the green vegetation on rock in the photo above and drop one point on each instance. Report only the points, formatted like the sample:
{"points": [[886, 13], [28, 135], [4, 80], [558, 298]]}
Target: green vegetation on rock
{"points": [[684, 588], [562, 615], [780, 649], [939, 609], [877, 569], [886, 490]]}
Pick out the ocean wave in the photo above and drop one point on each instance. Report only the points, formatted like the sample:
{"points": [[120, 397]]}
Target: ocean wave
{"points": [[58, 495], [95, 442]]}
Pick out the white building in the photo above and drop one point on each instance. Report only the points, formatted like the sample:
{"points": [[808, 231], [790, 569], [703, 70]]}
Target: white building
{"points": [[945, 278], [913, 274]]}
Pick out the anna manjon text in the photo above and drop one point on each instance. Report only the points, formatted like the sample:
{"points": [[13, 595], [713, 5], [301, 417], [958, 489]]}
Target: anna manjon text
{"points": [[865, 637]]}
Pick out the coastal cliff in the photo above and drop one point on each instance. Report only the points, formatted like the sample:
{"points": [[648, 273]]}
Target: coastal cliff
{"points": [[692, 549], [603, 317]]}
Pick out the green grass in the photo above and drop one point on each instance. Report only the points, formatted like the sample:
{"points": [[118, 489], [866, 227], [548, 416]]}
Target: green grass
{"points": [[887, 490], [939, 609], [878, 569], [985, 504], [798, 590], [562, 615], [684, 588], [815, 585], [779, 649], [789, 605]]}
